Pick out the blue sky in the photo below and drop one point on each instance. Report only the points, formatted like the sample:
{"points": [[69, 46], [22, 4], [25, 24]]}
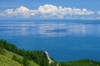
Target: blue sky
{"points": [[50, 9]]}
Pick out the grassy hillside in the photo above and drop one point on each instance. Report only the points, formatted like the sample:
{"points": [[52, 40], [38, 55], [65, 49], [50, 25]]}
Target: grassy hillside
{"points": [[10, 54], [25, 57], [4, 61], [7, 60]]}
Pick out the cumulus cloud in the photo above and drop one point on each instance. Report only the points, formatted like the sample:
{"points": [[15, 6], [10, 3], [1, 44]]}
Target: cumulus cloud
{"points": [[47, 8], [98, 12], [46, 11], [24, 11], [21, 11], [9, 11], [50, 9]]}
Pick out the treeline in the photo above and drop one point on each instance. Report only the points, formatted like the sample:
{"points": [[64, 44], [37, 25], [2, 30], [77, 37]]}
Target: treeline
{"points": [[81, 62], [36, 56], [23, 61]]}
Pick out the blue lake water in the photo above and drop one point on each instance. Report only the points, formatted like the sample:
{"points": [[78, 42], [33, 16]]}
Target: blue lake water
{"points": [[64, 40]]}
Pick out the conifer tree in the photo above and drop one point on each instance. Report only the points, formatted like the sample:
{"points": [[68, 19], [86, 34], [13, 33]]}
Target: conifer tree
{"points": [[14, 58], [26, 61]]}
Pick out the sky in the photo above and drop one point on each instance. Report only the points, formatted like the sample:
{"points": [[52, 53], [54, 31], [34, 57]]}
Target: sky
{"points": [[50, 9]]}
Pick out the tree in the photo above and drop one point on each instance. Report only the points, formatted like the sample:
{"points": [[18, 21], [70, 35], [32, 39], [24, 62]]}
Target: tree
{"points": [[14, 58], [26, 61], [1, 45], [2, 51]]}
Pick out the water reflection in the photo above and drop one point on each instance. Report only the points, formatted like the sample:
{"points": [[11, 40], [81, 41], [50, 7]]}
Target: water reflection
{"points": [[48, 29], [55, 37]]}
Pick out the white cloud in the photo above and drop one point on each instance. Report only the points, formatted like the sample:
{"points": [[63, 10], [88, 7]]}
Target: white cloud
{"points": [[53, 10], [24, 11], [98, 12], [9, 11], [47, 8], [21, 11], [46, 11]]}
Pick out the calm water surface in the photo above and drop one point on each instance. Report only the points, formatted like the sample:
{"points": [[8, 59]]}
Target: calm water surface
{"points": [[64, 40]]}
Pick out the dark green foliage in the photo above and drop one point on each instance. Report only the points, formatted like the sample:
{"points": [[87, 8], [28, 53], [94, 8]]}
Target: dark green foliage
{"points": [[81, 62], [26, 61], [2, 51], [14, 58], [1, 45], [17, 59], [44, 62]]}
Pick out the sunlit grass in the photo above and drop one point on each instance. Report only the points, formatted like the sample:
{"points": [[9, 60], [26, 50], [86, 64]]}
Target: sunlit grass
{"points": [[4, 61], [7, 60]]}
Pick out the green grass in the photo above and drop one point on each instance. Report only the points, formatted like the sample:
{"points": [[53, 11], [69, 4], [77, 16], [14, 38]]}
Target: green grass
{"points": [[10, 54], [4, 61], [7, 60], [33, 63]]}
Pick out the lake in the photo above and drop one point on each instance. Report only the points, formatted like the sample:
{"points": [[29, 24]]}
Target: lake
{"points": [[64, 40]]}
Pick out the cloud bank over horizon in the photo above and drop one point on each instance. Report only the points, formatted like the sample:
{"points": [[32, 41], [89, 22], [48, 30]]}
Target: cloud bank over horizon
{"points": [[46, 11]]}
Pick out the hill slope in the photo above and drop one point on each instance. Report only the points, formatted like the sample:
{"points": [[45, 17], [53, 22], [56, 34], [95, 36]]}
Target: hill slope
{"points": [[4, 61], [7, 60]]}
